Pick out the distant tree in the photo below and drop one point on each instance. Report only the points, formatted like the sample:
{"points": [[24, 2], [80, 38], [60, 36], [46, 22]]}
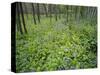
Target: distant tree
{"points": [[38, 12], [59, 11], [94, 15], [82, 12], [18, 18], [75, 12], [22, 14], [45, 8], [95, 12], [26, 11], [33, 13], [92, 11], [50, 11], [66, 13], [78, 13], [70, 11], [55, 11], [87, 14]]}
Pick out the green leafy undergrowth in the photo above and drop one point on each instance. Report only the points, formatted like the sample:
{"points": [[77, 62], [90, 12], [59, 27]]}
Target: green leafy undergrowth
{"points": [[56, 46]]}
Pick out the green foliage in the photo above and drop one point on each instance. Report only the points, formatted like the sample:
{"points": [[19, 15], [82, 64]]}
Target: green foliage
{"points": [[56, 46]]}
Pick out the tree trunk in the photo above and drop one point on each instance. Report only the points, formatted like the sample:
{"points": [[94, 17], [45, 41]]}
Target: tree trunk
{"points": [[59, 12], [67, 13], [18, 18], [78, 14], [55, 12], [22, 14], [38, 12], [26, 11], [50, 12], [45, 8], [33, 13]]}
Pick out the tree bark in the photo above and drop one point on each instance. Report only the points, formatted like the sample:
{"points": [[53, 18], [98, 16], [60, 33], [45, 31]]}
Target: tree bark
{"points": [[22, 14], [50, 12], [34, 13], [18, 18], [26, 11], [56, 12], [38, 12], [45, 8]]}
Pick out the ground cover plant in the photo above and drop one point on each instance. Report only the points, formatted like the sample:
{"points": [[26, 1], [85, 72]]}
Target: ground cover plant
{"points": [[53, 37]]}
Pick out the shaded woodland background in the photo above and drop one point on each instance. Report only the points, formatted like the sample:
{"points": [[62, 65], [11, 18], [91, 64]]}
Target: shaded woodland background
{"points": [[55, 37], [70, 13]]}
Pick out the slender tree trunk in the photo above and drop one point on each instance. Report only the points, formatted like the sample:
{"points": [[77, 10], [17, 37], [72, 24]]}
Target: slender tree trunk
{"points": [[88, 14], [50, 12], [70, 13], [17, 22], [85, 13], [18, 18], [95, 12], [45, 8], [59, 12], [95, 15], [92, 12], [82, 11], [56, 12], [22, 14], [67, 13], [78, 14], [76, 8], [38, 12], [26, 11], [33, 13]]}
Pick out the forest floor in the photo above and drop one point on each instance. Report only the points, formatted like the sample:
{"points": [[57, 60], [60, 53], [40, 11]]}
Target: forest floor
{"points": [[56, 45]]}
